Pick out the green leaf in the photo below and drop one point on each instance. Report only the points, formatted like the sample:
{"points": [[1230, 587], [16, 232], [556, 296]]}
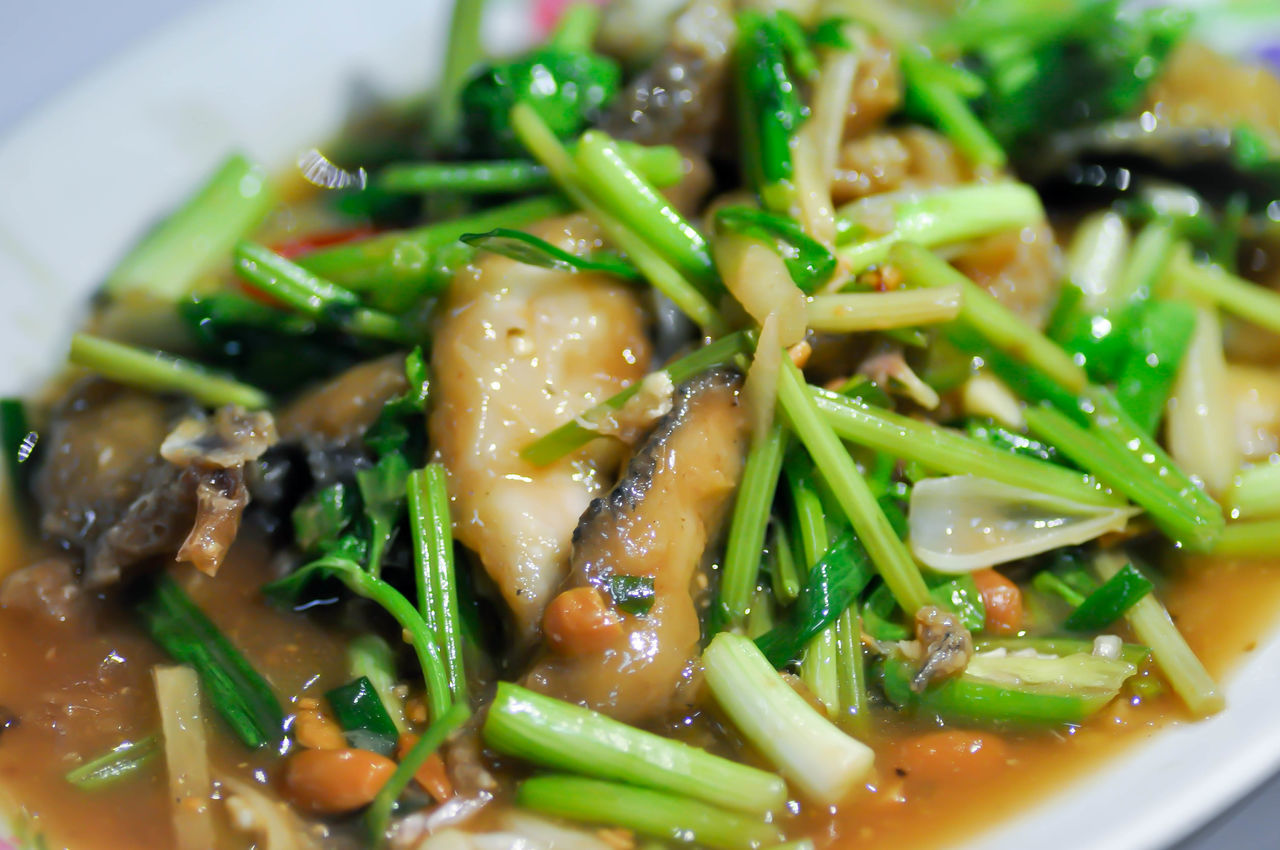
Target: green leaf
{"points": [[1109, 603], [529, 249], [361, 714]]}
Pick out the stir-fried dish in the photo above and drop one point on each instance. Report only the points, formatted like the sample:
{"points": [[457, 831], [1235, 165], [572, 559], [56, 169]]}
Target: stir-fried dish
{"points": [[727, 424]]}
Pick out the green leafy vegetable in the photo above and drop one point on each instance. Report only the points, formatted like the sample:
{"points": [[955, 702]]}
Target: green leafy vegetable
{"points": [[361, 714], [1108, 603], [833, 585], [382, 495], [236, 690], [769, 107], [322, 516], [808, 260]]}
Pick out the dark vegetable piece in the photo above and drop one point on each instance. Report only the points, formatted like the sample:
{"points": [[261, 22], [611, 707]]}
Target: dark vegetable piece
{"points": [[321, 517], [1048, 71], [808, 261], [529, 249], [266, 347], [18, 442], [633, 594], [568, 87], [1108, 603], [115, 765], [236, 691], [833, 585], [361, 714], [382, 494]]}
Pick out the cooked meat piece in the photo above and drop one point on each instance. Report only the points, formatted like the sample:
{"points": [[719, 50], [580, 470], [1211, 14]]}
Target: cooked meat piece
{"points": [[519, 351], [339, 411], [947, 645], [102, 442], [658, 523], [47, 589], [1022, 269]]}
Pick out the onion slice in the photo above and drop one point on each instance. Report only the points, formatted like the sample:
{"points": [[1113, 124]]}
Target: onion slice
{"points": [[963, 523]]}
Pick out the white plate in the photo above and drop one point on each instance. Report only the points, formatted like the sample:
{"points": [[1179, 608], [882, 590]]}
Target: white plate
{"points": [[89, 172]]}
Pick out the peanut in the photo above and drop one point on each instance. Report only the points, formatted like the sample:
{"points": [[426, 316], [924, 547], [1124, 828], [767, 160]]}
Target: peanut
{"points": [[333, 782]]}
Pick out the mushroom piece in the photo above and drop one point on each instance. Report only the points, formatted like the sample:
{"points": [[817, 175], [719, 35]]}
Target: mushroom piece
{"points": [[947, 646], [656, 526]]}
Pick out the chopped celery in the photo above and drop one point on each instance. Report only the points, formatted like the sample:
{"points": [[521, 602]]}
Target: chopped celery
{"points": [[1248, 301], [944, 450], [888, 552], [169, 259], [1152, 625], [1256, 492], [945, 217], [880, 311], [556, 734], [819, 669], [931, 92], [652, 814], [982, 312], [819, 759], [851, 667], [1135, 654], [749, 524], [784, 575], [435, 573], [1259, 539], [1014, 689], [161, 372]]}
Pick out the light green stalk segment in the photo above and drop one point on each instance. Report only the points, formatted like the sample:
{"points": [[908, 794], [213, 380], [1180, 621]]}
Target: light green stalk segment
{"points": [[1096, 258], [943, 450], [1256, 492], [378, 816], [1232, 293], [560, 735], [652, 814], [666, 278], [1259, 539], [631, 198], [878, 311], [982, 312], [820, 760], [169, 259], [163, 373], [851, 668], [888, 552], [370, 656], [947, 216], [463, 51], [820, 672], [1152, 625], [750, 523], [1146, 265], [428, 498]]}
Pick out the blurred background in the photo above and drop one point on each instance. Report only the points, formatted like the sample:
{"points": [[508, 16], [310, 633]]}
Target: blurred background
{"points": [[47, 46]]}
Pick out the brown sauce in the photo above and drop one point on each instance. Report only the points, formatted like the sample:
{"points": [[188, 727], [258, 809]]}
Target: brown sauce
{"points": [[81, 689]]}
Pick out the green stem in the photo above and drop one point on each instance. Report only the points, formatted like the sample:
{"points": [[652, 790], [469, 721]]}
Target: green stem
{"points": [[750, 523], [1260, 539], [115, 765], [433, 549], [943, 450], [851, 665], [878, 311], [463, 51], [396, 268], [1152, 625], [982, 312], [946, 217], [378, 817], [196, 238], [1248, 301], [160, 372], [648, 813], [1256, 492], [551, 733], [887, 551], [931, 90], [542, 143]]}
